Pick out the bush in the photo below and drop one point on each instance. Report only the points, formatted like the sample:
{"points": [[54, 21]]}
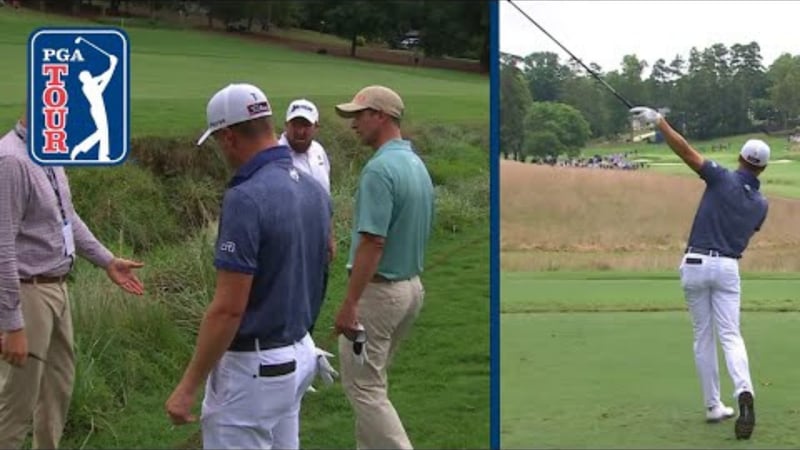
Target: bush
{"points": [[178, 156], [195, 201], [462, 205], [124, 204]]}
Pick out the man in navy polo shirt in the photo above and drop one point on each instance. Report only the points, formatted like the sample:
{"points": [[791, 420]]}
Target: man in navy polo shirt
{"points": [[731, 210], [253, 347]]}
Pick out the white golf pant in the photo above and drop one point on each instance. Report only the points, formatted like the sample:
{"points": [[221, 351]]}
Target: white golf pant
{"points": [[712, 290], [252, 399]]}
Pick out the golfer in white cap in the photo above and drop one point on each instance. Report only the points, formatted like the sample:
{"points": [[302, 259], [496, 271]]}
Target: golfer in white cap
{"points": [[731, 210], [308, 156], [254, 352]]}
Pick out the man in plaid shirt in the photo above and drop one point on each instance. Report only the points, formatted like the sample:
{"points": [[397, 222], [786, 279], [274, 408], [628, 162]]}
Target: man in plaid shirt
{"points": [[40, 234]]}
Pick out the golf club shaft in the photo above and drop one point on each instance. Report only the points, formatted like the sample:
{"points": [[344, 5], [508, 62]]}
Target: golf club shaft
{"points": [[95, 47], [595, 75]]}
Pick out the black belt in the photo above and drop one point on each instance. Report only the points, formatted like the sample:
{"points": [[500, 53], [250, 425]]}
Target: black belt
{"points": [[378, 278], [709, 252], [38, 279], [249, 344]]}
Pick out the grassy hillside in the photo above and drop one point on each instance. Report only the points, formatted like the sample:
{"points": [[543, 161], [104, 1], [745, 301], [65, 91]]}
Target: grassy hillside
{"points": [[174, 73]]}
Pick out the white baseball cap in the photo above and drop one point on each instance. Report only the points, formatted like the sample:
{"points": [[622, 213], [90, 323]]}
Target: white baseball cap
{"points": [[235, 103], [755, 152], [302, 108]]}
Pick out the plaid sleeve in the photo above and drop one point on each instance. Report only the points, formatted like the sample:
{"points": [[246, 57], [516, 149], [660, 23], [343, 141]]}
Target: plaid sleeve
{"points": [[14, 190]]}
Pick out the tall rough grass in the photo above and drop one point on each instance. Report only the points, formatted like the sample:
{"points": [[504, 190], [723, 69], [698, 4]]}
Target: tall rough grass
{"points": [[584, 219], [161, 208]]}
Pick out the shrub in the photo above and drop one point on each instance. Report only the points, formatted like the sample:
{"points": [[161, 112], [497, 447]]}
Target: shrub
{"points": [[124, 204]]}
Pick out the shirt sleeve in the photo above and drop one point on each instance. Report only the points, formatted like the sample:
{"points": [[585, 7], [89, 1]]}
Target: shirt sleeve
{"points": [[712, 172], [375, 203], [14, 190], [239, 234], [764, 217], [327, 161]]}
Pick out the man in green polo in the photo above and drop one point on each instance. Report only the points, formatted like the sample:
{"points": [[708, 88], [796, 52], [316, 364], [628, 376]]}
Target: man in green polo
{"points": [[394, 209]]}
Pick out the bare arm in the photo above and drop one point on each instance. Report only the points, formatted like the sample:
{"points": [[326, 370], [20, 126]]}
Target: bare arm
{"points": [[680, 146], [365, 265], [13, 194], [219, 326], [331, 246]]}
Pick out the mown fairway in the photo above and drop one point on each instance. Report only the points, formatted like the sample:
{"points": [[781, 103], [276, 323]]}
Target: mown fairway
{"points": [[131, 352], [780, 180], [595, 360], [173, 74], [596, 341]]}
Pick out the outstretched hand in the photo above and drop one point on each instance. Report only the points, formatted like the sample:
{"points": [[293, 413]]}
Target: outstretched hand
{"points": [[120, 271], [644, 114]]}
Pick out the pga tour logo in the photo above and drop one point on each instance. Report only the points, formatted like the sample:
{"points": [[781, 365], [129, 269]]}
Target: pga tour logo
{"points": [[78, 96]]}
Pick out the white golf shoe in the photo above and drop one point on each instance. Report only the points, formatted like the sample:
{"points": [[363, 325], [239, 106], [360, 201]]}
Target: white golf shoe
{"points": [[719, 413]]}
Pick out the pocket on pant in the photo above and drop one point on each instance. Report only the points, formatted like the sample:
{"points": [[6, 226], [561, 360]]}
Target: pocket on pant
{"points": [[276, 395], [217, 392], [277, 370], [690, 275]]}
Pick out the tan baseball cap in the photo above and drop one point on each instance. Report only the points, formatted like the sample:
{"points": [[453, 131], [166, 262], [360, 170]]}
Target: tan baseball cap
{"points": [[379, 98]]}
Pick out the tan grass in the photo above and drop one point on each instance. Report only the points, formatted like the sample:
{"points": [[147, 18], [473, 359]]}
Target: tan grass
{"points": [[555, 218]]}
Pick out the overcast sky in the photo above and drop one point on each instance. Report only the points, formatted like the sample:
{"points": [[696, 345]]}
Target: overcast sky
{"points": [[604, 31]]}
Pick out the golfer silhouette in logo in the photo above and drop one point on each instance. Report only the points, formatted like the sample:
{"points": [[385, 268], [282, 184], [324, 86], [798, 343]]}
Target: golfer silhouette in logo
{"points": [[93, 88]]}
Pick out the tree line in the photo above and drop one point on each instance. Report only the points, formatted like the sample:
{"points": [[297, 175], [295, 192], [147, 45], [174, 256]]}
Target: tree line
{"points": [[455, 29], [552, 106]]}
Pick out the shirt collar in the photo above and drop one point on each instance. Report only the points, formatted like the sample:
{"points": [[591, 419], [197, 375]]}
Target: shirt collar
{"points": [[393, 144], [258, 161], [21, 131], [749, 178]]}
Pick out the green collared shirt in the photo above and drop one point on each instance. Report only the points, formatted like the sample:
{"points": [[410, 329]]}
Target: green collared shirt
{"points": [[395, 200]]}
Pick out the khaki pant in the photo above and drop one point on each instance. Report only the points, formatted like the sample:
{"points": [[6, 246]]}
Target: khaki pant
{"points": [[387, 311], [40, 390]]}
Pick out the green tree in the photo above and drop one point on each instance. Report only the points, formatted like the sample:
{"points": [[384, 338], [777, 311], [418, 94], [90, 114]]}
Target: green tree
{"points": [[515, 101], [357, 18], [784, 92], [458, 29], [589, 97], [563, 121], [540, 144], [545, 75]]}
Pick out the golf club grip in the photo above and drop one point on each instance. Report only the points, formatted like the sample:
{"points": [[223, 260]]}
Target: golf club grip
{"points": [[595, 75]]}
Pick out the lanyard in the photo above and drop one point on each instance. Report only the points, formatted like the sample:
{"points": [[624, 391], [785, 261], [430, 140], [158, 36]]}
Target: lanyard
{"points": [[51, 175], [22, 133]]}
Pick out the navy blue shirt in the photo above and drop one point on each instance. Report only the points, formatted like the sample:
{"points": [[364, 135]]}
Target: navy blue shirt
{"points": [[731, 211], [274, 225]]}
